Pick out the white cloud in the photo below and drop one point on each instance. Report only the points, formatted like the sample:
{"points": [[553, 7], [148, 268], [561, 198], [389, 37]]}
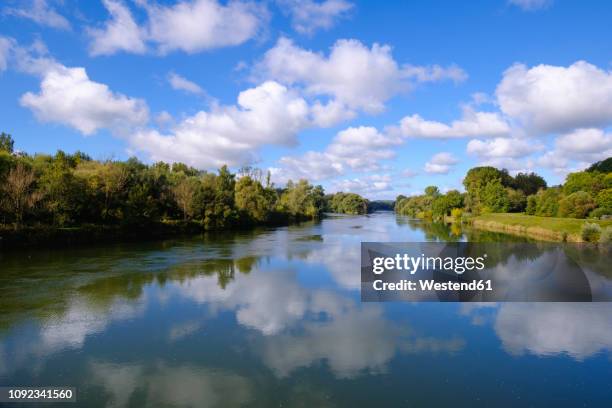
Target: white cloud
{"points": [[120, 33], [365, 186], [183, 84], [502, 148], [308, 16], [440, 163], [354, 75], [473, 124], [190, 25], [549, 98], [69, 97], [357, 148], [6, 44], [267, 114], [580, 148], [42, 13], [198, 25], [434, 73], [531, 5], [585, 145]]}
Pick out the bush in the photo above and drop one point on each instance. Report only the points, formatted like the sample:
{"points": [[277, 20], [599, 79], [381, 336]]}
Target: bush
{"points": [[456, 213], [598, 213], [590, 232], [606, 236]]}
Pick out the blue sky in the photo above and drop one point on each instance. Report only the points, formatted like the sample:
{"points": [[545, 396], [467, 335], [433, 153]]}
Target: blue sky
{"points": [[376, 98]]}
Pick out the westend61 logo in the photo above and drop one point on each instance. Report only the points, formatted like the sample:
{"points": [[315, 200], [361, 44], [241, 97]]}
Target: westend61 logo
{"points": [[476, 272]]}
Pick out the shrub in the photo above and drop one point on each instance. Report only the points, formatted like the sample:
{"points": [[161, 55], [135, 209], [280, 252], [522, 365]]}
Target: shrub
{"points": [[590, 232], [606, 236], [598, 213], [456, 213]]}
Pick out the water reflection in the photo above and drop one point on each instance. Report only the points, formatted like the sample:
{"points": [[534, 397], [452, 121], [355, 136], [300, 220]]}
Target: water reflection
{"points": [[261, 316]]}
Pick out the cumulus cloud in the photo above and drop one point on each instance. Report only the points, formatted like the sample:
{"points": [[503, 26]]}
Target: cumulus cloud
{"points": [[309, 16], [198, 25], [549, 98], [581, 147], [370, 185], [440, 163], [69, 97], [530, 5], [354, 75], [42, 13], [183, 84], [502, 148], [356, 148], [120, 32], [267, 114], [473, 124], [190, 26]]}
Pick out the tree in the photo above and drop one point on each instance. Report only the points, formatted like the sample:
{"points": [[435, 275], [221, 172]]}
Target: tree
{"points": [[6, 142], [20, 194], [251, 199], [517, 200], [475, 182], [532, 203], [432, 191], [576, 205], [590, 182], [494, 197], [185, 193], [604, 166], [604, 199], [547, 202], [444, 204], [528, 183]]}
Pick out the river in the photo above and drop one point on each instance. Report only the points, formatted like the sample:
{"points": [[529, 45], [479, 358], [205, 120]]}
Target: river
{"points": [[273, 317]]}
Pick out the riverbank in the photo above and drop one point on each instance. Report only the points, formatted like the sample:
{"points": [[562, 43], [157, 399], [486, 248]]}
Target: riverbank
{"points": [[542, 228], [56, 237]]}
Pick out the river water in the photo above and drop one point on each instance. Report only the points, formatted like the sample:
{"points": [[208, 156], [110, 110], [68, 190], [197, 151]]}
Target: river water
{"points": [[273, 317]]}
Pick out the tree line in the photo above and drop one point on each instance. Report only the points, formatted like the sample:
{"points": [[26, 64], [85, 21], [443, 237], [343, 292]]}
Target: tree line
{"points": [[71, 190], [584, 194]]}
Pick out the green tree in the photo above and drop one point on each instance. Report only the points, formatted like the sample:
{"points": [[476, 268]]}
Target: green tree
{"points": [[251, 199], [6, 142], [517, 200], [576, 205], [528, 183]]}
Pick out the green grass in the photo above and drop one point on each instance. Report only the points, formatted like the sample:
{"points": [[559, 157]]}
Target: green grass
{"points": [[551, 228]]}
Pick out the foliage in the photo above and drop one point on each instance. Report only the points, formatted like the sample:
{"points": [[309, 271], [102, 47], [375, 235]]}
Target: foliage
{"points": [[528, 183], [517, 200], [347, 203], [606, 236], [442, 205], [576, 205], [72, 190], [604, 166], [590, 232], [547, 202], [6, 143]]}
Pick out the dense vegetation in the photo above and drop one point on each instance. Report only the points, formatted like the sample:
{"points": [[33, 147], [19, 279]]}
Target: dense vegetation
{"points": [[72, 190], [347, 203], [489, 190]]}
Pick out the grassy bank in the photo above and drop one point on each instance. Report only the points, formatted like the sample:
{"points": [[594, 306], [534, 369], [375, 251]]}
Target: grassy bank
{"points": [[543, 228]]}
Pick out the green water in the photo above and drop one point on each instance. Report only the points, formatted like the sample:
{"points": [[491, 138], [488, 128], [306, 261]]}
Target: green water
{"points": [[273, 318]]}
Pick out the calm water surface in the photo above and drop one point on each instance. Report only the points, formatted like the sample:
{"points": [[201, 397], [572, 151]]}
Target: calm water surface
{"points": [[273, 318]]}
